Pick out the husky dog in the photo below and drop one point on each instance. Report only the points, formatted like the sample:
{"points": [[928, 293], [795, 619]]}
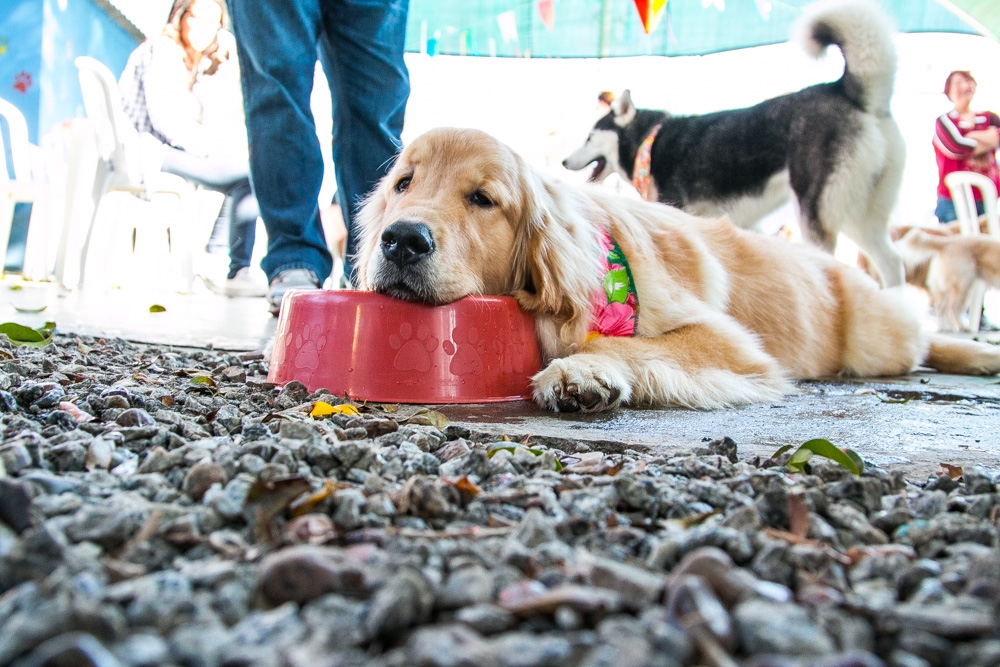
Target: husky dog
{"points": [[834, 145]]}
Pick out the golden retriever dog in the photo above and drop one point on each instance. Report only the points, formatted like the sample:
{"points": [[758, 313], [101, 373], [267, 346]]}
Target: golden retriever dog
{"points": [[725, 316], [957, 262]]}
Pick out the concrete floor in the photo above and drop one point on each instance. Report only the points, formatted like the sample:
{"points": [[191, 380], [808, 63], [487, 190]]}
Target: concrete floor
{"points": [[914, 422]]}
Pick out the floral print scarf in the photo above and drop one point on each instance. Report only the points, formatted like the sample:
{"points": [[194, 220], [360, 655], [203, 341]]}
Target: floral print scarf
{"points": [[614, 306]]}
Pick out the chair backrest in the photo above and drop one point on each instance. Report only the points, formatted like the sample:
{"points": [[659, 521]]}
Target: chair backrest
{"points": [[20, 149], [117, 138], [961, 183]]}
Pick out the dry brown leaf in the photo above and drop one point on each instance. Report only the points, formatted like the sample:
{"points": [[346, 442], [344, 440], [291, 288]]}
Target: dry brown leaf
{"points": [[952, 471], [798, 515]]}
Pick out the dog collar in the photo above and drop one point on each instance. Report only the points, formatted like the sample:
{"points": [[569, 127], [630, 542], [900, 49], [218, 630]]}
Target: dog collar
{"points": [[614, 306], [640, 172]]}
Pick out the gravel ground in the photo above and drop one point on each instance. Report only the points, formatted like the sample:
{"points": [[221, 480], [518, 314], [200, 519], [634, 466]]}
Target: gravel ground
{"points": [[161, 506]]}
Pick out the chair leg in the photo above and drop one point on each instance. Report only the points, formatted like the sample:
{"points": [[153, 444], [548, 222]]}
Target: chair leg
{"points": [[6, 221], [83, 171], [93, 208], [975, 304]]}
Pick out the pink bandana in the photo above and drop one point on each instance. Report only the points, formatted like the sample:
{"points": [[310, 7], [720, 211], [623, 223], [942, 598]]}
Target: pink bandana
{"points": [[614, 306], [640, 172]]}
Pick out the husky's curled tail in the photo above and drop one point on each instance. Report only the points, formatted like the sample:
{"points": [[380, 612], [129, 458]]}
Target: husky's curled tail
{"points": [[864, 33]]}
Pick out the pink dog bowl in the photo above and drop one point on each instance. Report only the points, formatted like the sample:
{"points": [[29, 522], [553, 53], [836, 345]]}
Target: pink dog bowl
{"points": [[376, 348]]}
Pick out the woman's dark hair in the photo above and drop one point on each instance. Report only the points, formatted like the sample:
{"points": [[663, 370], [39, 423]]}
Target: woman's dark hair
{"points": [[959, 72]]}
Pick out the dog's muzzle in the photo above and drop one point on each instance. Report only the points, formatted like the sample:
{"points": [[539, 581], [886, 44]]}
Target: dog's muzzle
{"points": [[405, 243]]}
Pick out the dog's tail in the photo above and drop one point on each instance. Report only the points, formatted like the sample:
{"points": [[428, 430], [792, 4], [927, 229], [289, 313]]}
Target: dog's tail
{"points": [[864, 33], [918, 243], [948, 354]]}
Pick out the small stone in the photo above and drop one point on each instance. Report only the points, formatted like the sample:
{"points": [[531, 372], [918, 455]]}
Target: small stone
{"points": [[305, 572], [404, 601], [638, 586], [535, 528], [783, 629], [15, 505], [135, 417], [201, 476], [486, 619], [15, 457], [464, 587]]}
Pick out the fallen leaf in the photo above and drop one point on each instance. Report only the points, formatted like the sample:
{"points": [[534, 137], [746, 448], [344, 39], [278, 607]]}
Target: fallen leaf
{"points": [[781, 450], [322, 409], [22, 335], [157, 308], [267, 500], [78, 414], [425, 417], [308, 503], [202, 380], [826, 449], [466, 485], [798, 515], [952, 471]]}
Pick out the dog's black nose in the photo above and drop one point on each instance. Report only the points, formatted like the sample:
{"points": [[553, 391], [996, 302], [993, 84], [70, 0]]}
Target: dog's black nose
{"points": [[405, 243], [564, 164]]}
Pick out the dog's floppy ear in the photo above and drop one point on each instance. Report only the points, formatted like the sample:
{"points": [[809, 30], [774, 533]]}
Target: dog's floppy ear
{"points": [[623, 109], [369, 223], [555, 257]]}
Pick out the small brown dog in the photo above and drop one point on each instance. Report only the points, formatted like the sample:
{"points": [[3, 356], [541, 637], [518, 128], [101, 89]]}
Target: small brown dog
{"points": [[957, 262]]}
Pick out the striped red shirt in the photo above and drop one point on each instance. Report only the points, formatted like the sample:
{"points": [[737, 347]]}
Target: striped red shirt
{"points": [[953, 150]]}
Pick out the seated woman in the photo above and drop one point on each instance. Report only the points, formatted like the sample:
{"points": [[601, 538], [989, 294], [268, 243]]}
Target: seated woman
{"points": [[182, 88]]}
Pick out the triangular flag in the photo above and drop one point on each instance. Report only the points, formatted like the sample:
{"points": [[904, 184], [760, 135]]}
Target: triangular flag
{"points": [[547, 10], [508, 26], [650, 11]]}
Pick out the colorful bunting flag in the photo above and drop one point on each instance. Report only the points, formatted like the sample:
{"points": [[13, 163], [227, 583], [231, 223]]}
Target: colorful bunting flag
{"points": [[650, 11], [547, 10], [508, 26]]}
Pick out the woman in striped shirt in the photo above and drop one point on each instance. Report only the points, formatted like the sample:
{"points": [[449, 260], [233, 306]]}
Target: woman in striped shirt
{"points": [[964, 140]]}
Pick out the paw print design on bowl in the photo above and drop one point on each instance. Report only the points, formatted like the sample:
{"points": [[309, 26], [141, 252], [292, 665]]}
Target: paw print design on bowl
{"points": [[392, 351], [413, 351], [510, 356], [467, 349], [308, 344]]}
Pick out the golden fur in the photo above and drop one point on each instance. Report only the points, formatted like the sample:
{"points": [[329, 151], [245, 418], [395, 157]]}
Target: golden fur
{"points": [[727, 317], [956, 263]]}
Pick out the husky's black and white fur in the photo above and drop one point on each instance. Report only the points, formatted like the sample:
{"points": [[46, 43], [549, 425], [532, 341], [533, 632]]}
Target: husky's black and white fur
{"points": [[834, 145]]}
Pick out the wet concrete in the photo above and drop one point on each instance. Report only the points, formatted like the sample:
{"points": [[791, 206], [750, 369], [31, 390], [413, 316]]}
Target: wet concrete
{"points": [[915, 422]]}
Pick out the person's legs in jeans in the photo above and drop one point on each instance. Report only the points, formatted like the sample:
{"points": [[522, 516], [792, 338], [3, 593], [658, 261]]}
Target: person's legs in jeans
{"points": [[242, 226], [362, 54], [945, 210], [276, 43]]}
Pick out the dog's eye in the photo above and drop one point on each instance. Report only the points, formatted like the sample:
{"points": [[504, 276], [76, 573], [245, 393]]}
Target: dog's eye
{"points": [[480, 199], [402, 184]]}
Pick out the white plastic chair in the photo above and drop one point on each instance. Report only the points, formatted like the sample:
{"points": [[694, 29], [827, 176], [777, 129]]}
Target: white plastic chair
{"points": [[961, 184], [117, 168], [24, 185]]}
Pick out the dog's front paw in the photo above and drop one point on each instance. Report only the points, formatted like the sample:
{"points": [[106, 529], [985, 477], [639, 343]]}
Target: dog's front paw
{"points": [[580, 382]]}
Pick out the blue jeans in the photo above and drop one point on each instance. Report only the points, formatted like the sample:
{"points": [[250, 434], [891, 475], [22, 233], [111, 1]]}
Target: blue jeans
{"points": [[361, 44], [945, 210]]}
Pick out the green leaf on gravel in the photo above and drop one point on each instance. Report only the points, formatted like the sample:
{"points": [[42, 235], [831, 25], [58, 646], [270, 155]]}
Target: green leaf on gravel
{"points": [[198, 380], [157, 308], [781, 450], [820, 447], [22, 335]]}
